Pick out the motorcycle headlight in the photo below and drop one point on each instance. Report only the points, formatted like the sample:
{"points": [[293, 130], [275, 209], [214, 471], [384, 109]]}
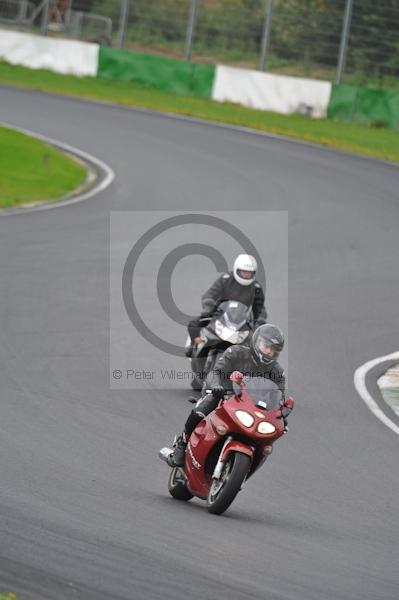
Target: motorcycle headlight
{"points": [[245, 418], [225, 333], [265, 427], [229, 335]]}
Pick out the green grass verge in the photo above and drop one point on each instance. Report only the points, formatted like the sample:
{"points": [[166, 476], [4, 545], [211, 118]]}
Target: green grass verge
{"points": [[33, 171], [375, 142]]}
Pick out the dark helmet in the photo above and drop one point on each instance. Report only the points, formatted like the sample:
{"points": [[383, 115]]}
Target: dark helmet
{"points": [[266, 344]]}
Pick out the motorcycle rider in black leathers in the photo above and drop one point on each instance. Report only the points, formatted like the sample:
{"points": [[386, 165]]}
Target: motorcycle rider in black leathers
{"points": [[259, 360], [239, 285]]}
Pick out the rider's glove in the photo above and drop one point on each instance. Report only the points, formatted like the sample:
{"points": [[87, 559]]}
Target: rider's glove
{"points": [[218, 391]]}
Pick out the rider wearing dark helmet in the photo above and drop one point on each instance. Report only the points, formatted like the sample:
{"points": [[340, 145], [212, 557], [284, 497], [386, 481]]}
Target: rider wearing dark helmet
{"points": [[259, 360]]}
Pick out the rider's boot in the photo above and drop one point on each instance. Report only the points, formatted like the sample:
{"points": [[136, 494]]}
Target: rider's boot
{"points": [[177, 458]]}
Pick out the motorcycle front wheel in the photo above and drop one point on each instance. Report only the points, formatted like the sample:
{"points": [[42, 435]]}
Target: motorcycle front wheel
{"points": [[177, 486], [224, 490]]}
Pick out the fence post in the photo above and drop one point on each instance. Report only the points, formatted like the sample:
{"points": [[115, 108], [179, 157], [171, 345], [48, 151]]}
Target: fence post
{"points": [[191, 28], [267, 28], [23, 7], [122, 23], [344, 40], [44, 22]]}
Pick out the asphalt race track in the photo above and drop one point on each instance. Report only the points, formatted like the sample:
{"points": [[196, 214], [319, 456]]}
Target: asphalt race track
{"points": [[84, 509]]}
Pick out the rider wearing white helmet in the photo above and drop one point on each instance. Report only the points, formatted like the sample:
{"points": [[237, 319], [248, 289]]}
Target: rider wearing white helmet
{"points": [[240, 285], [244, 270]]}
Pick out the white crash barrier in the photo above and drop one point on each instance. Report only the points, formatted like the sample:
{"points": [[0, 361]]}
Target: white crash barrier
{"points": [[36, 52], [277, 93]]}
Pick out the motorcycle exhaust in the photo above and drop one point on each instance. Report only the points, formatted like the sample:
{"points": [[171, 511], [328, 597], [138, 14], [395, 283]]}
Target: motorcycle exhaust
{"points": [[164, 454]]}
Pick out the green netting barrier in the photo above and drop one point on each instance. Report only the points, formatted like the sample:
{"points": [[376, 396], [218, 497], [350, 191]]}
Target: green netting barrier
{"points": [[163, 73], [362, 105]]}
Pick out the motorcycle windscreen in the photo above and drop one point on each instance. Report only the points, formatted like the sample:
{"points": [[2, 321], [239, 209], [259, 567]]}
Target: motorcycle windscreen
{"points": [[263, 392], [235, 314]]}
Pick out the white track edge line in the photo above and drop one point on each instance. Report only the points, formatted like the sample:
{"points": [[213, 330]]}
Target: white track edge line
{"points": [[96, 189], [359, 380]]}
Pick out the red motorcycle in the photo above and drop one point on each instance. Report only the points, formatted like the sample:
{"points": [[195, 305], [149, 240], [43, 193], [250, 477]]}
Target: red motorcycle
{"points": [[231, 443]]}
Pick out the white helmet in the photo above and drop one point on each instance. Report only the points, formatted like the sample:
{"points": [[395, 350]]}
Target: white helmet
{"points": [[244, 270]]}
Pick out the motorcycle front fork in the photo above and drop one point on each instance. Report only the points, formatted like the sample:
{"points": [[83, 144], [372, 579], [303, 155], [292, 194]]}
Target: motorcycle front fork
{"points": [[219, 465]]}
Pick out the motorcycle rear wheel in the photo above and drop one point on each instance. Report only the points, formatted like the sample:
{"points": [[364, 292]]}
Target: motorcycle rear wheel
{"points": [[224, 490], [177, 487]]}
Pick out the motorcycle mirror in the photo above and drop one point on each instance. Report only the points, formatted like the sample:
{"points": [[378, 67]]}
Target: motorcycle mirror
{"points": [[289, 403], [237, 377]]}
